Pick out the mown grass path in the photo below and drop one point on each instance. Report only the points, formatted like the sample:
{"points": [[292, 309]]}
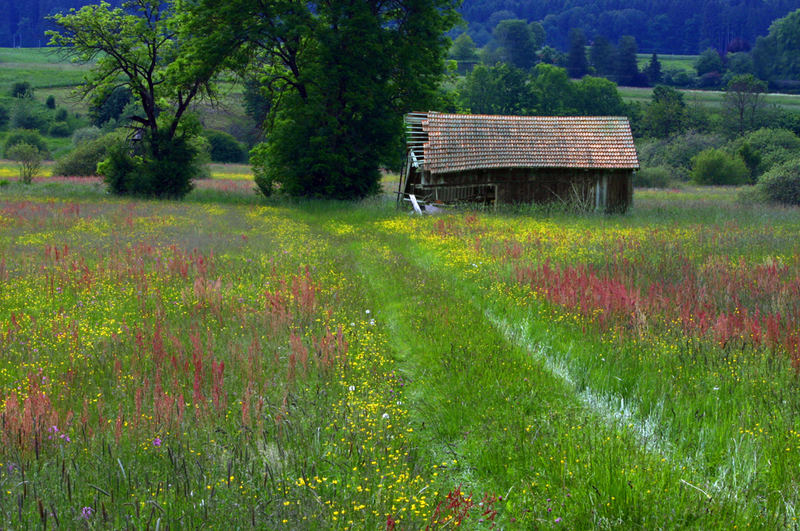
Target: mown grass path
{"points": [[496, 414]]}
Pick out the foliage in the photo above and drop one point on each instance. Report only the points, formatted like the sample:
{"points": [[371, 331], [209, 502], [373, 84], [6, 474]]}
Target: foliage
{"points": [[674, 27], [744, 101], [21, 90], [500, 89], [715, 166], [340, 77], [28, 114], [85, 134], [751, 158], [666, 113], [463, 49], [577, 64], [626, 70], [740, 63], [4, 117], [708, 62], [603, 56], [50, 102], [256, 103], [25, 136], [653, 70], [59, 130], [83, 160], [766, 148], [781, 184], [654, 177], [775, 55], [224, 147], [517, 43], [553, 91], [109, 107], [548, 90], [29, 159], [551, 56], [143, 48], [167, 175], [676, 152], [596, 96]]}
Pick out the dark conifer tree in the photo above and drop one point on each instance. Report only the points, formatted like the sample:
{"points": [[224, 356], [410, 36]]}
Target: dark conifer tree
{"points": [[627, 71], [577, 65], [653, 71]]}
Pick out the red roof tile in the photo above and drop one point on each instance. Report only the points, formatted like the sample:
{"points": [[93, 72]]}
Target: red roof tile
{"points": [[457, 142]]}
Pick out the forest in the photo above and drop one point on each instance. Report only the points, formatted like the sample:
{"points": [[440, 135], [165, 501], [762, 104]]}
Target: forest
{"points": [[663, 26]]}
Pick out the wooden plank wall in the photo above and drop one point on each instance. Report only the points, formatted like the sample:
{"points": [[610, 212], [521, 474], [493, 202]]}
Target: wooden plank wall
{"points": [[522, 185]]}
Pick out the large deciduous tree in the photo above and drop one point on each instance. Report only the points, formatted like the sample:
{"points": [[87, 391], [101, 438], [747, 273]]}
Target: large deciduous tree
{"points": [[340, 74], [140, 47]]}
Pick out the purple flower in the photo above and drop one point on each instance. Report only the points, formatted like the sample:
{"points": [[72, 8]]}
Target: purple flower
{"points": [[86, 513], [157, 442], [558, 519]]}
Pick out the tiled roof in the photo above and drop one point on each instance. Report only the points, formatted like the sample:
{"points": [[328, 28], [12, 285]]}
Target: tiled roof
{"points": [[457, 142]]}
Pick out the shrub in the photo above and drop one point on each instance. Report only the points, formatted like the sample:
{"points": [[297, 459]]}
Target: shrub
{"points": [[24, 136], [85, 134], [50, 102], [715, 166], [59, 130], [771, 146], [781, 184], [21, 89], [676, 152], [83, 160], [28, 115], [225, 148], [61, 115], [3, 117], [29, 158], [654, 177], [168, 175]]}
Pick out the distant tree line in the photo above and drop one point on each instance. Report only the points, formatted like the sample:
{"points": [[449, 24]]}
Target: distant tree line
{"points": [[665, 26], [23, 22], [772, 57]]}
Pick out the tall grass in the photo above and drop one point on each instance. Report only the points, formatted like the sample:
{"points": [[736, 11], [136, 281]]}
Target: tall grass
{"points": [[231, 361]]}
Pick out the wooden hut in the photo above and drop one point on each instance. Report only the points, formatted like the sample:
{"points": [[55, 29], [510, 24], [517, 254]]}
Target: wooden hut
{"points": [[516, 159]]}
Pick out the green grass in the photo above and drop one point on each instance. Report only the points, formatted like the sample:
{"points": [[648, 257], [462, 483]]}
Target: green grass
{"points": [[463, 373], [236, 172], [710, 98], [669, 61], [41, 56]]}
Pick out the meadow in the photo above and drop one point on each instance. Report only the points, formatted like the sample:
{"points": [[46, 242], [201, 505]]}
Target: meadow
{"points": [[709, 98], [229, 360]]}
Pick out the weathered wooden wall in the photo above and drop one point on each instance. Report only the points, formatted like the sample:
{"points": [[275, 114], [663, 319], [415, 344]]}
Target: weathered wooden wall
{"points": [[609, 190]]}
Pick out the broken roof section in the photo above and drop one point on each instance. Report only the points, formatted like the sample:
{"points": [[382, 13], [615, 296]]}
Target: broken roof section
{"points": [[444, 143]]}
